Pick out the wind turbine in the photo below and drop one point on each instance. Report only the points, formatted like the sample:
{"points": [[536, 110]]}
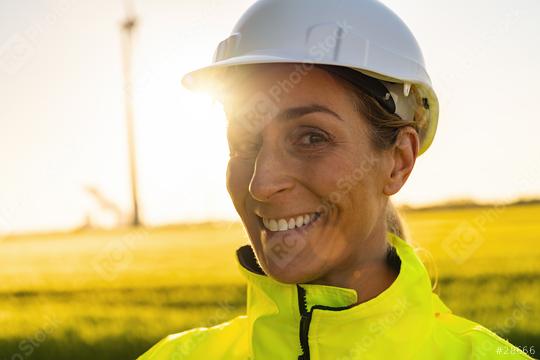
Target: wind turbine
{"points": [[128, 27]]}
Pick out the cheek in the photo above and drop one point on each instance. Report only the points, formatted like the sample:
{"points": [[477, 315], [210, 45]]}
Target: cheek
{"points": [[352, 182], [366, 198], [323, 174], [334, 178], [238, 177]]}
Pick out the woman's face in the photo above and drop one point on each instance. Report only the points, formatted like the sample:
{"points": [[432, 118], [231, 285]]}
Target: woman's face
{"points": [[304, 176]]}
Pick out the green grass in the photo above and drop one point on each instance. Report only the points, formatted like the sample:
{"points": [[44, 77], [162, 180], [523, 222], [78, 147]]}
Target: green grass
{"points": [[113, 294]]}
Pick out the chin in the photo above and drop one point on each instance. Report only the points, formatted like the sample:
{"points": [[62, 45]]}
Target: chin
{"points": [[296, 269]]}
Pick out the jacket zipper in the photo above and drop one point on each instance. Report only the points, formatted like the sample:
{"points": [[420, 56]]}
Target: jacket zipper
{"points": [[305, 315], [305, 320]]}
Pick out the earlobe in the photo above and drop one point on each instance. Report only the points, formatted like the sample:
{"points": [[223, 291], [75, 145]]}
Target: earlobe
{"points": [[404, 153]]}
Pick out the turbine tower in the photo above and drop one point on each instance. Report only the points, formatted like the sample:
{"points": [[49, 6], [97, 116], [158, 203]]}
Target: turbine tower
{"points": [[128, 27]]}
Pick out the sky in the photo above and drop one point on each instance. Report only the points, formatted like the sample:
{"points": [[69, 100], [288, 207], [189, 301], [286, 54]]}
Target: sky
{"points": [[62, 121]]}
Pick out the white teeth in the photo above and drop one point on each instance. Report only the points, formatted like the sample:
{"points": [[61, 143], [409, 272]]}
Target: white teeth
{"points": [[272, 225], [291, 223]]}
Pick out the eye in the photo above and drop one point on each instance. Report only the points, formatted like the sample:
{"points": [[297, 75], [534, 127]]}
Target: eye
{"points": [[313, 138]]}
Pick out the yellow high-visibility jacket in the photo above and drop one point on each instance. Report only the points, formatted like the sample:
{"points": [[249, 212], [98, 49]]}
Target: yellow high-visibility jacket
{"points": [[306, 321]]}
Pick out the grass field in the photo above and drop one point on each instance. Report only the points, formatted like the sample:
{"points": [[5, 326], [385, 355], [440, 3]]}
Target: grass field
{"points": [[112, 294]]}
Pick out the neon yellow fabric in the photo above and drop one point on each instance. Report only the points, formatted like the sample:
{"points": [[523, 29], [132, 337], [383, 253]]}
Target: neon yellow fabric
{"points": [[406, 321]]}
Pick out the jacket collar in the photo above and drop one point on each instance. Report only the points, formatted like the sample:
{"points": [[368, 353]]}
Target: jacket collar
{"points": [[274, 305]]}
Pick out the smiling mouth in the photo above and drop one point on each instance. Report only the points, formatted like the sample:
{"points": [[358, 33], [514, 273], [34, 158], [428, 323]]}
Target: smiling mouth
{"points": [[290, 223]]}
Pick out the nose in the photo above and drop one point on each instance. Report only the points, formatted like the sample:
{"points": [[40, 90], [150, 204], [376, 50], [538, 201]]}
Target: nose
{"points": [[270, 176]]}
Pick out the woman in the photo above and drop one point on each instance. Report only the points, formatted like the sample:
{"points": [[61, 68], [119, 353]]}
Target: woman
{"points": [[328, 105]]}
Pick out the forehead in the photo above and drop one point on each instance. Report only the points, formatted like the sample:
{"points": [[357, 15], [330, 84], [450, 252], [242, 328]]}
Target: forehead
{"points": [[281, 84]]}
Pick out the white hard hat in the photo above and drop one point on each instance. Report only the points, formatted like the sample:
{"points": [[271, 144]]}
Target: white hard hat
{"points": [[363, 35]]}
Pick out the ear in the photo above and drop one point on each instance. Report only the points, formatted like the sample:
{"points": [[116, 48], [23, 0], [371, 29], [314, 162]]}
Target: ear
{"points": [[403, 154]]}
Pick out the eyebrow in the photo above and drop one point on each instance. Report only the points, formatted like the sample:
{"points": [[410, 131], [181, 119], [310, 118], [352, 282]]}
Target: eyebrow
{"points": [[299, 111]]}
